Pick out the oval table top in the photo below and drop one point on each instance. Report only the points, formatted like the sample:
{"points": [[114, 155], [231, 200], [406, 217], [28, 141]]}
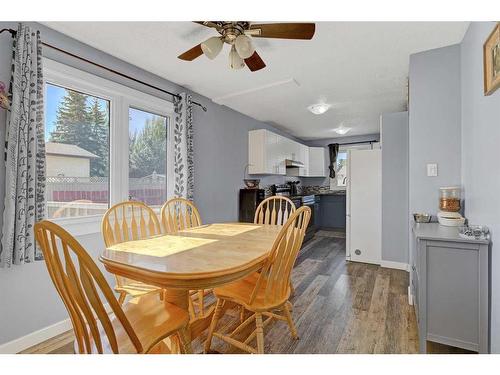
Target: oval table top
{"points": [[195, 258]]}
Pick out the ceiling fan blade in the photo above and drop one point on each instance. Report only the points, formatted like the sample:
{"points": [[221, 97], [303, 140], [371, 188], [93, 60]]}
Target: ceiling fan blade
{"points": [[191, 54], [254, 62], [283, 30], [212, 24]]}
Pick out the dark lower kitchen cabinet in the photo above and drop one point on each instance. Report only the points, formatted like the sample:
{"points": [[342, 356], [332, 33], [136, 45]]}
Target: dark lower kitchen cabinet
{"points": [[332, 211]]}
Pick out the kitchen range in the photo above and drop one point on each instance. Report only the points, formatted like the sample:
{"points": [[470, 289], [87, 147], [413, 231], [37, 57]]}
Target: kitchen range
{"points": [[251, 198]]}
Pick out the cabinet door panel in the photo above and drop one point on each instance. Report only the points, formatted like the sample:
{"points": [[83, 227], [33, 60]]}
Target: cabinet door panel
{"points": [[332, 212], [316, 162], [452, 293], [272, 152]]}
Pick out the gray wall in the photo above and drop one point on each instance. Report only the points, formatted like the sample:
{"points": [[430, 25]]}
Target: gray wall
{"points": [[221, 153], [435, 130], [480, 156], [394, 138]]}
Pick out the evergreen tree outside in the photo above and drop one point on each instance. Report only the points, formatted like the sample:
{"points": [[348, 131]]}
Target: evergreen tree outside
{"points": [[71, 120], [99, 139], [147, 149], [81, 121]]}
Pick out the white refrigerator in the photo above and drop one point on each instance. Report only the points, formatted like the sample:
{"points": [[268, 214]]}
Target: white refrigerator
{"points": [[364, 206]]}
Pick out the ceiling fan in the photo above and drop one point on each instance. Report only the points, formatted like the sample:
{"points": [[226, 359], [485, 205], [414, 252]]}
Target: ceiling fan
{"points": [[237, 34]]}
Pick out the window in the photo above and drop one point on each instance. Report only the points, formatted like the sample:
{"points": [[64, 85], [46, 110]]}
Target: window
{"points": [[106, 143], [77, 153], [341, 177], [147, 157], [341, 168]]}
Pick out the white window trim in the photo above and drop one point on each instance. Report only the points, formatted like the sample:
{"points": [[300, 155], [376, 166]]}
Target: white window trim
{"points": [[121, 98]]}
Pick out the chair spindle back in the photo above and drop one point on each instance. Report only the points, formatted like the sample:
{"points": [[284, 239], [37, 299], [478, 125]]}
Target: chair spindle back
{"points": [[276, 273], [178, 214], [274, 211], [128, 221], [81, 285]]}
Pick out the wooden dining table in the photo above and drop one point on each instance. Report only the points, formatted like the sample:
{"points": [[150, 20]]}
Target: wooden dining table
{"points": [[203, 257]]}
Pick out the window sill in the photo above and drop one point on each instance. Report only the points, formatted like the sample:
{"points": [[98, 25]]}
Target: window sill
{"points": [[80, 226]]}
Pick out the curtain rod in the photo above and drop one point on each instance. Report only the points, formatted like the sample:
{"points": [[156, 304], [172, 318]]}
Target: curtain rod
{"points": [[13, 34], [357, 143]]}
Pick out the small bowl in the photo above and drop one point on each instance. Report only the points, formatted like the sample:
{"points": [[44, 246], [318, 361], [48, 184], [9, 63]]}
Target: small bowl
{"points": [[251, 183], [422, 218]]}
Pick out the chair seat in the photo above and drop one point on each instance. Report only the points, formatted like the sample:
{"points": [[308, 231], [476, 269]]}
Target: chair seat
{"points": [[241, 290], [152, 320], [137, 289]]}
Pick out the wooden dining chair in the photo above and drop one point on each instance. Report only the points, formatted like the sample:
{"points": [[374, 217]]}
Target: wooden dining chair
{"points": [[139, 326], [178, 214], [274, 210], [128, 221], [264, 293]]}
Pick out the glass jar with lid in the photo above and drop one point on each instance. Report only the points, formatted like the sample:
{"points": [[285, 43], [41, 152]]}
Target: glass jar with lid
{"points": [[449, 198]]}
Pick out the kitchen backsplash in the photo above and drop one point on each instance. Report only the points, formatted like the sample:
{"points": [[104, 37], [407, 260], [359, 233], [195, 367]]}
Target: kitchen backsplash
{"points": [[313, 189]]}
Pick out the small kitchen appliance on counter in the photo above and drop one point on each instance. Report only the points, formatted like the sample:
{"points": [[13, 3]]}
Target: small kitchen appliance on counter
{"points": [[281, 190], [449, 205], [293, 187]]}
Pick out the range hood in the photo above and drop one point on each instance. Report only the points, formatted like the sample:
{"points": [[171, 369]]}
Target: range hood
{"points": [[293, 163]]}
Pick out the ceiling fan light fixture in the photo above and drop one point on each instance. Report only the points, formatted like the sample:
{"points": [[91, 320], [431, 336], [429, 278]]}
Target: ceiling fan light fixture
{"points": [[235, 60], [319, 108], [212, 47], [244, 46]]}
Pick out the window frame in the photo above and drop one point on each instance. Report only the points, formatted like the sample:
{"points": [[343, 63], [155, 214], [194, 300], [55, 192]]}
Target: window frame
{"points": [[120, 98]]}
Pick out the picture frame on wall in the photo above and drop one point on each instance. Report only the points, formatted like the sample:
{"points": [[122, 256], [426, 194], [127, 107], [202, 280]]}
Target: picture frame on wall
{"points": [[491, 61]]}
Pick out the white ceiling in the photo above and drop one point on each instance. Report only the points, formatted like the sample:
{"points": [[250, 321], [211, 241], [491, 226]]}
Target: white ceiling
{"points": [[359, 67]]}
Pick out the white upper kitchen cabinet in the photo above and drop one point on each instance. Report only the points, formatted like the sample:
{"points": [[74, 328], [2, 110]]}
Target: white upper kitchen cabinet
{"points": [[316, 162], [304, 158], [289, 149], [267, 152], [265, 155]]}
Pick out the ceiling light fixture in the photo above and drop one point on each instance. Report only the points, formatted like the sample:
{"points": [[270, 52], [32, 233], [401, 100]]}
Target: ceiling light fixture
{"points": [[319, 109], [244, 46], [212, 47], [341, 130], [235, 61]]}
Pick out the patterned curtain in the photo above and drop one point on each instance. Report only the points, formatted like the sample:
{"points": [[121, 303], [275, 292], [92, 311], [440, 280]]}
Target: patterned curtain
{"points": [[183, 147], [24, 152]]}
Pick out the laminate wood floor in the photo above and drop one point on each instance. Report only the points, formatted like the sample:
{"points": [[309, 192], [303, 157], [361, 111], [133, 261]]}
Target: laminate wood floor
{"points": [[338, 307]]}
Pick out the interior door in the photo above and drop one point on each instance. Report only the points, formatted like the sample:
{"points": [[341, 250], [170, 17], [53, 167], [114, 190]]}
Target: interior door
{"points": [[364, 206]]}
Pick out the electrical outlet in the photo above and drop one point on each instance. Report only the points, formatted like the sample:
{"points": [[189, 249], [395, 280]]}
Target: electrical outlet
{"points": [[432, 170]]}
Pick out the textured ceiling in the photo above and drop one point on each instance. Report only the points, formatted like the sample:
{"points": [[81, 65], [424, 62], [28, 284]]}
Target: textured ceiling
{"points": [[359, 67]]}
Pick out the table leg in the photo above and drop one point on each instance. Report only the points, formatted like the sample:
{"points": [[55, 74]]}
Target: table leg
{"points": [[180, 298], [198, 325]]}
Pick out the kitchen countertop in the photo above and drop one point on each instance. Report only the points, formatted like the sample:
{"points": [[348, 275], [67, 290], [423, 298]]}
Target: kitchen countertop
{"points": [[333, 192], [438, 232]]}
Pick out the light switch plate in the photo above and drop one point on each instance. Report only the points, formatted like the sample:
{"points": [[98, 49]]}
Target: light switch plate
{"points": [[432, 170]]}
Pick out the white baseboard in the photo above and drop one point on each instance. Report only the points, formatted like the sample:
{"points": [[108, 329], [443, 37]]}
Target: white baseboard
{"points": [[395, 265], [37, 337]]}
